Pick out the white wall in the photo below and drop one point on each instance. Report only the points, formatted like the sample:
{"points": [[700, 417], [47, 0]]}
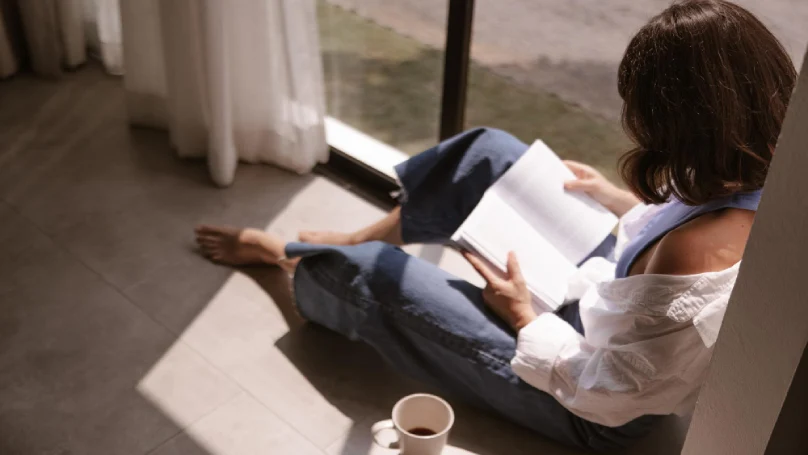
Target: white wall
{"points": [[766, 326]]}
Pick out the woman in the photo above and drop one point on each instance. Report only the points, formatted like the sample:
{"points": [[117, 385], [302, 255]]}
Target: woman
{"points": [[705, 87]]}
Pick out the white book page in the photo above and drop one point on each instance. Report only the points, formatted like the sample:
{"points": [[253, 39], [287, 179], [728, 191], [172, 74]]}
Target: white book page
{"points": [[572, 222], [494, 229]]}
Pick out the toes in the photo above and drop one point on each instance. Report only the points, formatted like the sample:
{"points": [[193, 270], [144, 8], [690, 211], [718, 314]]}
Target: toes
{"points": [[206, 253], [209, 239], [205, 229], [208, 249], [212, 241]]}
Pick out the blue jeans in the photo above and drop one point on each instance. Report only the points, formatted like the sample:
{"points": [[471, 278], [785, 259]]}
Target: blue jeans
{"points": [[428, 323]]}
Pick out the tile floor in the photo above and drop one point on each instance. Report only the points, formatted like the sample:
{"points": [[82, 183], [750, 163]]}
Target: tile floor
{"points": [[116, 338]]}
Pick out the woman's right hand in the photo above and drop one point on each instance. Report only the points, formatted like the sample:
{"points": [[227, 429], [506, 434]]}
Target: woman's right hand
{"points": [[594, 184]]}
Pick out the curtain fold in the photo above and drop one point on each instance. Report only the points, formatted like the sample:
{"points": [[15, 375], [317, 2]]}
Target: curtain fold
{"points": [[109, 47], [69, 16], [54, 35], [8, 61], [230, 81]]}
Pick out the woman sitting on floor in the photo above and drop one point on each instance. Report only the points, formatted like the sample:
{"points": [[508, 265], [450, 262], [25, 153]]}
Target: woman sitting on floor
{"points": [[705, 87]]}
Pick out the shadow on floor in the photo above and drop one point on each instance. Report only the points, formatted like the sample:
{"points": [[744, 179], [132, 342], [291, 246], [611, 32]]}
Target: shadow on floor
{"points": [[98, 281], [373, 388], [99, 277]]}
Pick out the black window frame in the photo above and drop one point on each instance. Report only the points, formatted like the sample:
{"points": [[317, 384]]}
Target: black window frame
{"points": [[379, 187]]}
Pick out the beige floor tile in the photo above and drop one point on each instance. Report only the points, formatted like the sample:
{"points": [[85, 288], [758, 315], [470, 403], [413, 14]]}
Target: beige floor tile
{"points": [[72, 353], [175, 293], [142, 242], [115, 196], [126, 245], [175, 289], [94, 213], [23, 247], [241, 427], [232, 321], [317, 381], [324, 205], [311, 378], [184, 386], [82, 370]]}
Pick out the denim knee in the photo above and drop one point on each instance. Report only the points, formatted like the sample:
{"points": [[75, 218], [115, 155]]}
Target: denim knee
{"points": [[442, 185], [495, 134]]}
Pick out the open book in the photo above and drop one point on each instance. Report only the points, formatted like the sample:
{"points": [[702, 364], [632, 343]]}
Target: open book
{"points": [[551, 230]]}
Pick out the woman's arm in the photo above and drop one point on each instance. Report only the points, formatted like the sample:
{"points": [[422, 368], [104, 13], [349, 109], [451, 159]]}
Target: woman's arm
{"points": [[593, 183], [627, 365], [607, 385], [642, 360], [507, 295]]}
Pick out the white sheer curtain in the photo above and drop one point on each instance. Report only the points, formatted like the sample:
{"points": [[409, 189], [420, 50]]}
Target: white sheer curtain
{"points": [[58, 33], [8, 61], [102, 27], [230, 80], [53, 36]]}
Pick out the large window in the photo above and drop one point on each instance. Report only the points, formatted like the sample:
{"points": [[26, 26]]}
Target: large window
{"points": [[383, 63], [548, 70], [540, 69]]}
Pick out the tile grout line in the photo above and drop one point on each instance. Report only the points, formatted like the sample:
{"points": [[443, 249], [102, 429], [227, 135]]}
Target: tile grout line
{"points": [[176, 340], [181, 428], [243, 389], [253, 396], [181, 431]]}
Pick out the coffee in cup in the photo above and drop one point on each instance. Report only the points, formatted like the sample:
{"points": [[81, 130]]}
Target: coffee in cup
{"points": [[422, 423]]}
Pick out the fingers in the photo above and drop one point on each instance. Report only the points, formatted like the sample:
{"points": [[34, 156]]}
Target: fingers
{"points": [[483, 269], [584, 185], [586, 177], [583, 171], [579, 169], [514, 270]]}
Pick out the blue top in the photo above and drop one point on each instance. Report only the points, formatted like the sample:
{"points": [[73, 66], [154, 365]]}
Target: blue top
{"points": [[674, 215]]}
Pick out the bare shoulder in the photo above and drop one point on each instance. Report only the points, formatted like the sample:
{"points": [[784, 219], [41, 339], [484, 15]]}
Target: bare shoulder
{"points": [[710, 243]]}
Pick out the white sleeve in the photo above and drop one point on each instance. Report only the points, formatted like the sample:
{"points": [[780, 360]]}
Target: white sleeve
{"points": [[592, 271], [599, 269], [603, 386]]}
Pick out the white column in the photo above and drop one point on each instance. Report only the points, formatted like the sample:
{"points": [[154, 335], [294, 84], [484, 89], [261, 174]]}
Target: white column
{"points": [[765, 329]]}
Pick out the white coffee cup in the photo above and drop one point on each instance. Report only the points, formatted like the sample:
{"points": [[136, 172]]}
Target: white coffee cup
{"points": [[422, 423]]}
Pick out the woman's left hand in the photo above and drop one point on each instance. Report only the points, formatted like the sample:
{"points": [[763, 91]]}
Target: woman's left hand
{"points": [[507, 295]]}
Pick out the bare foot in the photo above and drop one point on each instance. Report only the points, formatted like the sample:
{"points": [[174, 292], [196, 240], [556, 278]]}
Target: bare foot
{"points": [[328, 238], [235, 246]]}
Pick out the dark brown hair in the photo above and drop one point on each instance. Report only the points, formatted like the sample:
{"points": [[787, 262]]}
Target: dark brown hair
{"points": [[705, 87]]}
